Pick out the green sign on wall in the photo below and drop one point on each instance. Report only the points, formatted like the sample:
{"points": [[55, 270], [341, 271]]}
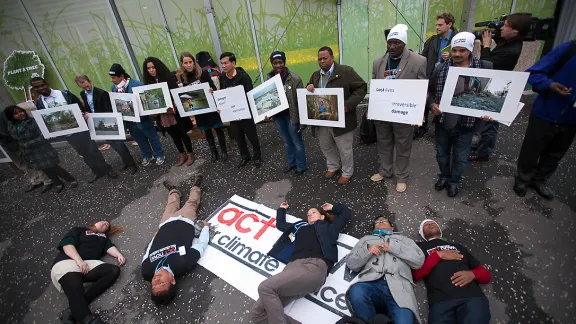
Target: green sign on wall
{"points": [[19, 68]]}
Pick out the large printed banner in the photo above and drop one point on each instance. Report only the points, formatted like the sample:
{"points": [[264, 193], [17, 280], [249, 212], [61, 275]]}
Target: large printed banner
{"points": [[237, 254]]}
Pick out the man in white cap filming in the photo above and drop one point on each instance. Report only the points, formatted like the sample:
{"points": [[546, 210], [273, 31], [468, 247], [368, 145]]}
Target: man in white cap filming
{"points": [[452, 276], [397, 63], [453, 132]]}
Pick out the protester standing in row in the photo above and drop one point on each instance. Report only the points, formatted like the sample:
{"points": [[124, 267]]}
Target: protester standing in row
{"points": [[234, 76], [155, 71], [190, 73], [144, 132], [97, 100], [288, 121], [398, 63], [337, 143]]}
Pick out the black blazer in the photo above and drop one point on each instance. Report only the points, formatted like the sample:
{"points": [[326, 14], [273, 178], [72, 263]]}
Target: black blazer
{"points": [[101, 100]]}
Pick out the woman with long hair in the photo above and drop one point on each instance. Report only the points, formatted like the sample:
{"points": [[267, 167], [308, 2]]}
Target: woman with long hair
{"points": [[36, 151], [78, 261], [155, 71], [191, 73]]}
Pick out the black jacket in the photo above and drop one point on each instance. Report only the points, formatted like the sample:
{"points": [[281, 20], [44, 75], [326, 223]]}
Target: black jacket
{"points": [[241, 78], [70, 99], [327, 233], [101, 100], [505, 55], [209, 120], [431, 51]]}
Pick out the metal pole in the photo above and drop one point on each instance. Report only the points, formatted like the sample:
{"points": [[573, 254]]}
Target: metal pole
{"points": [[424, 24], [255, 40], [340, 49], [513, 7], [168, 33], [44, 48], [209, 9], [124, 37]]}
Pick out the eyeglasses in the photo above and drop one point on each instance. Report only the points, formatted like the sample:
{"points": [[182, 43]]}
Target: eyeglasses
{"points": [[381, 221]]}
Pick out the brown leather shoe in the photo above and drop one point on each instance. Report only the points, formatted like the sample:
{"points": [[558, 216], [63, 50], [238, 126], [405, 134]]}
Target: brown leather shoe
{"points": [[191, 159], [329, 174], [343, 180], [182, 159]]}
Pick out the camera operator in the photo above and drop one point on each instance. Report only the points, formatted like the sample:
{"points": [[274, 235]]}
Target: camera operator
{"points": [[504, 57]]}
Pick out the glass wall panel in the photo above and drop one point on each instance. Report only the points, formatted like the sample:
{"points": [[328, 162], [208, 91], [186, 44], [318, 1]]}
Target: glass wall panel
{"points": [[437, 7], [487, 10], [81, 38], [355, 37]]}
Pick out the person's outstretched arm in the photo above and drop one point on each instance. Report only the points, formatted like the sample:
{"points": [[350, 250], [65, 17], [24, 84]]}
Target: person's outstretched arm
{"points": [[114, 252]]}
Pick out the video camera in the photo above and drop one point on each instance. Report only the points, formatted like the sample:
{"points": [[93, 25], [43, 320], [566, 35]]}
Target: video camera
{"points": [[540, 29]]}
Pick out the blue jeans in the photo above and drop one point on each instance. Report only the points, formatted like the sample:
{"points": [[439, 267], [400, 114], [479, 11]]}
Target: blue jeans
{"points": [[144, 133], [293, 141], [370, 298], [488, 138], [463, 310], [454, 146]]}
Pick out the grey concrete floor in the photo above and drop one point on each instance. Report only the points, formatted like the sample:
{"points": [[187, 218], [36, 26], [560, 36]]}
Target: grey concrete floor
{"points": [[527, 243]]}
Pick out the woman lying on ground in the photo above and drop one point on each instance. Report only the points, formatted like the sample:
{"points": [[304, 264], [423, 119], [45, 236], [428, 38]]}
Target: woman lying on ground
{"points": [[309, 250], [79, 261]]}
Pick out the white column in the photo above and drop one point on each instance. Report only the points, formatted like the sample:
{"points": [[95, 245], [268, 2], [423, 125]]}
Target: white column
{"points": [[255, 40]]}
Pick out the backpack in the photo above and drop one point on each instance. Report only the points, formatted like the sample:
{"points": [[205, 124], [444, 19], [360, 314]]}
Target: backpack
{"points": [[367, 130], [563, 60]]}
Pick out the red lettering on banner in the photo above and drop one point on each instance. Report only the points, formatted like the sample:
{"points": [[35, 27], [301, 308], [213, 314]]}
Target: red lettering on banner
{"points": [[231, 221], [238, 219], [268, 223], [239, 227]]}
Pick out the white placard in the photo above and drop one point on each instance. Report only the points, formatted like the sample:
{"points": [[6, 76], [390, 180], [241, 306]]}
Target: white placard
{"points": [[127, 104], [194, 100], [154, 98], [399, 101], [59, 121], [492, 93], [267, 99], [323, 107], [238, 255], [232, 104], [4, 158], [106, 126], [508, 123]]}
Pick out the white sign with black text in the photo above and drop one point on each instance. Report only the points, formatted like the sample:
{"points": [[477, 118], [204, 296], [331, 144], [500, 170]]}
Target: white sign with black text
{"points": [[232, 104], [399, 101]]}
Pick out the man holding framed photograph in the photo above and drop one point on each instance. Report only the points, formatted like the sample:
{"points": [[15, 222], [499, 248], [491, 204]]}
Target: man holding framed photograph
{"points": [[336, 143]]}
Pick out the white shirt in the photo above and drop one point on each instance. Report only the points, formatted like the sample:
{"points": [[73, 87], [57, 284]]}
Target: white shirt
{"points": [[55, 99], [90, 99]]}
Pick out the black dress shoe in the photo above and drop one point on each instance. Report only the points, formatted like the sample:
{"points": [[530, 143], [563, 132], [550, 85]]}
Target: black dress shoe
{"points": [[66, 317], [243, 162], [452, 190], [299, 172], [520, 189], [94, 177], [258, 163], [59, 188], [112, 174], [224, 156], [288, 169], [46, 188], [74, 184], [32, 187], [478, 158], [441, 184], [543, 190], [133, 169]]}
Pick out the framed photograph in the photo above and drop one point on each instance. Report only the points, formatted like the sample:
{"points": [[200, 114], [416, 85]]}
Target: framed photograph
{"points": [[154, 98], [483, 92], [267, 99], [126, 104], [194, 100], [323, 107], [106, 126], [58, 121], [398, 101], [4, 158]]}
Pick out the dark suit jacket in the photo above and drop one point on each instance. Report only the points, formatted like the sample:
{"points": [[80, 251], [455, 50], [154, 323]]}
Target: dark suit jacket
{"points": [[355, 88], [101, 100]]}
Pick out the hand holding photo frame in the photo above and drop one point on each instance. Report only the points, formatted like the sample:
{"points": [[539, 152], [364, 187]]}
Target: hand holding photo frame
{"points": [[154, 98], [267, 99], [194, 100], [106, 126], [232, 104], [398, 101], [126, 104], [323, 107], [59, 121]]}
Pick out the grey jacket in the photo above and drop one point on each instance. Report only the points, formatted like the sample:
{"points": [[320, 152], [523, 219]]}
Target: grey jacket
{"points": [[403, 254], [293, 82], [412, 66]]}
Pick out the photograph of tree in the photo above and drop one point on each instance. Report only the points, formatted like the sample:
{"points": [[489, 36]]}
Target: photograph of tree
{"points": [[106, 126], [152, 99], [322, 107], [194, 100], [125, 107], [60, 120], [266, 99], [480, 93]]}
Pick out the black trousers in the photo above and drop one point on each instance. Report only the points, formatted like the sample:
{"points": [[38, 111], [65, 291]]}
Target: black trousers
{"points": [[57, 172], [544, 146], [180, 137], [122, 150], [246, 127], [87, 148], [221, 138], [102, 277]]}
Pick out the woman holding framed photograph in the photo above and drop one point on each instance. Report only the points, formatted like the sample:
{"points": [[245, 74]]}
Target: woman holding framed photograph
{"points": [[36, 151], [190, 73], [155, 71]]}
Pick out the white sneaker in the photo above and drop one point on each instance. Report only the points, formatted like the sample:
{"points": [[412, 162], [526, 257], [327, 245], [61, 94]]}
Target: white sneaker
{"points": [[160, 160], [147, 161], [400, 187], [377, 177]]}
